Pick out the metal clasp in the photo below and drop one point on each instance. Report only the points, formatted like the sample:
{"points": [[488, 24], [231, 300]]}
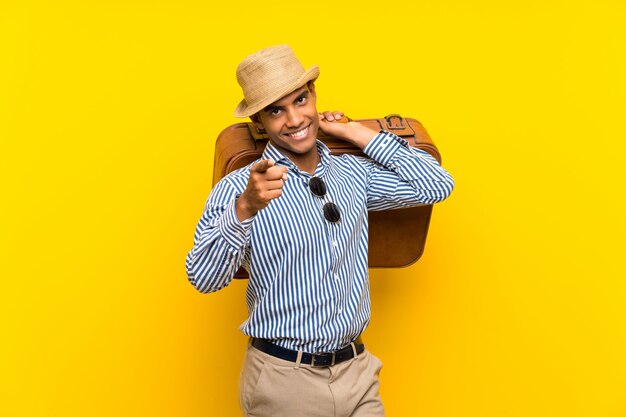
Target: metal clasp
{"points": [[390, 124], [332, 360]]}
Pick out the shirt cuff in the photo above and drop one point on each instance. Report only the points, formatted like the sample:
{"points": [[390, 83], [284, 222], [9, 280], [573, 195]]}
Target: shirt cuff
{"points": [[383, 147], [235, 233]]}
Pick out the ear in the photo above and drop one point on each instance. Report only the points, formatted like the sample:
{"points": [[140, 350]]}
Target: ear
{"points": [[256, 120], [311, 86]]}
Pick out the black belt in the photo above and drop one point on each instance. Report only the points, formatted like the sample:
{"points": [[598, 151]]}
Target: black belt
{"points": [[313, 359]]}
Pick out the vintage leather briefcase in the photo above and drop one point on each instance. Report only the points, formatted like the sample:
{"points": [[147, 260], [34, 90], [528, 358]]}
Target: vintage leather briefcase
{"points": [[396, 237]]}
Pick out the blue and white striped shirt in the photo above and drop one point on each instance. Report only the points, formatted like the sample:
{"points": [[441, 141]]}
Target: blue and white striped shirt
{"points": [[308, 286]]}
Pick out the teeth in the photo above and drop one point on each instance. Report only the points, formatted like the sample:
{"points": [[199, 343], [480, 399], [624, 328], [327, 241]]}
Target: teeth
{"points": [[299, 133]]}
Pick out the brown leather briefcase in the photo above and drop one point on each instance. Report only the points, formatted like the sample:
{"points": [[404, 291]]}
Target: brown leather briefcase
{"points": [[396, 237]]}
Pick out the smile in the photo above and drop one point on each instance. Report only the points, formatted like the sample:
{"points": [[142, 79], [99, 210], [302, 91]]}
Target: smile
{"points": [[299, 134]]}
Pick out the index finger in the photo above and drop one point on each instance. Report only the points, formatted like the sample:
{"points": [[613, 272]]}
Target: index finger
{"points": [[262, 166]]}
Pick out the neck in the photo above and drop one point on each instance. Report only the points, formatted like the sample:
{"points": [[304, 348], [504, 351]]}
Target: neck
{"points": [[306, 163]]}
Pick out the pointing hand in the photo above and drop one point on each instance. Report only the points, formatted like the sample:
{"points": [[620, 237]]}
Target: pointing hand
{"points": [[265, 183]]}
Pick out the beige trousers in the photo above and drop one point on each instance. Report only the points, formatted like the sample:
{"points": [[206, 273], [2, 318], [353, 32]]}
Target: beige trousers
{"points": [[272, 387]]}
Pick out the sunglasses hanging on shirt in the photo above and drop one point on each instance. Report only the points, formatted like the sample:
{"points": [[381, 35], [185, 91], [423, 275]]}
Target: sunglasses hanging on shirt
{"points": [[331, 211]]}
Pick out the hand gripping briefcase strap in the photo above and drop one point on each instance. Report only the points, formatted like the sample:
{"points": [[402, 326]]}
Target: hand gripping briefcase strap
{"points": [[396, 237], [313, 359]]}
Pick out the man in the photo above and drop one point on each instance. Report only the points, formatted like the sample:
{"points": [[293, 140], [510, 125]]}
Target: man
{"points": [[297, 221]]}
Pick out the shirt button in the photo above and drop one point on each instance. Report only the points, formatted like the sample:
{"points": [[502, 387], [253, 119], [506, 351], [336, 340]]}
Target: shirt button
{"points": [[335, 244]]}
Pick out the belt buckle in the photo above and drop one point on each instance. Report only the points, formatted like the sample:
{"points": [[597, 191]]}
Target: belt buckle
{"points": [[314, 365]]}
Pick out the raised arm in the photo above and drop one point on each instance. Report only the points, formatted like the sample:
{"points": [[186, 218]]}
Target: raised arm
{"points": [[220, 242], [222, 238], [398, 175]]}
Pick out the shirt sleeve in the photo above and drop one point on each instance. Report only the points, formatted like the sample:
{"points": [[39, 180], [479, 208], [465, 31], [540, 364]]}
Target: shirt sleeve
{"points": [[221, 242], [402, 176]]}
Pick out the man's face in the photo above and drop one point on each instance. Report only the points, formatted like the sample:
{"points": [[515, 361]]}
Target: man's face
{"points": [[292, 123]]}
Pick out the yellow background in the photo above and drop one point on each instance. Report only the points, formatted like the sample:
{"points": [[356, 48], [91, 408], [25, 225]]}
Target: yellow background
{"points": [[108, 115]]}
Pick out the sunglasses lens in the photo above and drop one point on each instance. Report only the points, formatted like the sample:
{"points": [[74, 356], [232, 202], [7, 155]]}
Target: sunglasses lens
{"points": [[317, 186], [331, 212]]}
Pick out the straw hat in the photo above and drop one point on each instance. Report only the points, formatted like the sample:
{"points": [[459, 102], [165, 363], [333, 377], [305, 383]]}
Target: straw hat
{"points": [[268, 75]]}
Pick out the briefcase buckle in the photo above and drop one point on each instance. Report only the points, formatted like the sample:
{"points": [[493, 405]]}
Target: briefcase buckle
{"points": [[394, 122]]}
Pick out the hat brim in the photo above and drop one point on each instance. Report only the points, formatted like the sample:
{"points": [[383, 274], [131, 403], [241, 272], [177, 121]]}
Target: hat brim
{"points": [[243, 110]]}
